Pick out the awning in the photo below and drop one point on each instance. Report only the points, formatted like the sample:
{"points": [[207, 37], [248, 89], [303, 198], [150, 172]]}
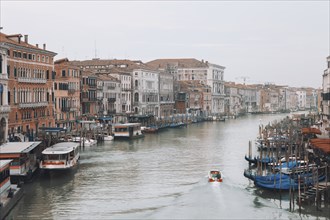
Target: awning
{"points": [[52, 129], [105, 118]]}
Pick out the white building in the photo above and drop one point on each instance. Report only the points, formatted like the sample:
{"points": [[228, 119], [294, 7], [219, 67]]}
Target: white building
{"points": [[4, 106], [108, 95], [146, 92], [301, 98], [326, 92], [125, 79], [215, 75]]}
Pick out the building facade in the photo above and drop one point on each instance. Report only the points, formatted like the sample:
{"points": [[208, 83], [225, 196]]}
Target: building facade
{"points": [[88, 95], [4, 107], [125, 79], [30, 80], [166, 94], [215, 74], [146, 92], [67, 94], [108, 95], [325, 104]]}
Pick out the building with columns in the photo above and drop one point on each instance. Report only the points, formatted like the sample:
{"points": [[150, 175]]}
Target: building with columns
{"points": [[166, 94], [325, 103], [215, 81], [108, 95], [4, 107], [125, 78], [145, 91], [30, 72]]}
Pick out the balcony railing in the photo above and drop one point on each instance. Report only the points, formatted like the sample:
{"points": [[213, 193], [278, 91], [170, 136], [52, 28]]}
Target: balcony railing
{"points": [[111, 99], [33, 104], [111, 112], [71, 91], [3, 76], [31, 80], [65, 109], [73, 109], [5, 109]]}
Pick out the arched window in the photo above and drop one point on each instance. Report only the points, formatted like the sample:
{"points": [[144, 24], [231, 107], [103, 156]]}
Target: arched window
{"points": [[136, 97]]}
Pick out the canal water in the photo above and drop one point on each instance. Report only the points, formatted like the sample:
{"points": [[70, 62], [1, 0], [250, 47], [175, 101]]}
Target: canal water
{"points": [[162, 176]]}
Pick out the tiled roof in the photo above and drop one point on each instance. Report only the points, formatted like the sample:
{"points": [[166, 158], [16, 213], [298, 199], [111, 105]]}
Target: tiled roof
{"points": [[128, 65], [180, 63], [88, 73], [192, 84], [7, 39], [107, 77], [61, 61]]}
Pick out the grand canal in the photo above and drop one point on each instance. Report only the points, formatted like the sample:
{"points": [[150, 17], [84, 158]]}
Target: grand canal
{"points": [[162, 176]]}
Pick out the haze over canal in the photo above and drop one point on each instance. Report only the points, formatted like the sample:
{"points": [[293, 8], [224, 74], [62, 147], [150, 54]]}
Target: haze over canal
{"points": [[161, 176]]}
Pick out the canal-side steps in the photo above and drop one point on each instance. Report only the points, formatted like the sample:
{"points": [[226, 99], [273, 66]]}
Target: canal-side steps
{"points": [[315, 193]]}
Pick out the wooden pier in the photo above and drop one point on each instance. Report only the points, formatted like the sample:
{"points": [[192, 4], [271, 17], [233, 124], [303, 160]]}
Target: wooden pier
{"points": [[316, 194]]}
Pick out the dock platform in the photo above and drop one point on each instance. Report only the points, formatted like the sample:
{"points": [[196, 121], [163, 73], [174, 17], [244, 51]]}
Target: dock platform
{"points": [[315, 194]]}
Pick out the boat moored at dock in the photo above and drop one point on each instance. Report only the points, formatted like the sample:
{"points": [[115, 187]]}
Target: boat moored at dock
{"points": [[24, 159], [61, 156], [127, 131], [9, 193]]}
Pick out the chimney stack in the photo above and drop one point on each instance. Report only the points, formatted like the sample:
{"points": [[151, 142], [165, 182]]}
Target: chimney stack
{"points": [[44, 46], [26, 38], [37, 45]]}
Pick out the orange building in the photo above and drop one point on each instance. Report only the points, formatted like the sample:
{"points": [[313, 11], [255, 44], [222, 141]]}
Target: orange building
{"points": [[30, 72], [67, 94]]}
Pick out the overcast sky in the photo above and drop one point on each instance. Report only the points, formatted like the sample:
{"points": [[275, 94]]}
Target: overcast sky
{"points": [[281, 42]]}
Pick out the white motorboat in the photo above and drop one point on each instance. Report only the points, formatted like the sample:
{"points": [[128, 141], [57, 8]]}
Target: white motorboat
{"points": [[215, 176]]}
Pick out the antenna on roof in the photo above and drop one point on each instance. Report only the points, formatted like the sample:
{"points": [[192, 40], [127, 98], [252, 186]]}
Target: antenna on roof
{"points": [[244, 78], [95, 49]]}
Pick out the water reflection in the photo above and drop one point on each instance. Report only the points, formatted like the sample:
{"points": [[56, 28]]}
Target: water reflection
{"points": [[159, 176]]}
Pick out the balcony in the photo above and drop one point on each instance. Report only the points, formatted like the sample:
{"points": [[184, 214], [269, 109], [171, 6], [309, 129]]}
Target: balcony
{"points": [[71, 91], [73, 109], [111, 99], [4, 109], [3, 76], [33, 104], [31, 80], [65, 109]]}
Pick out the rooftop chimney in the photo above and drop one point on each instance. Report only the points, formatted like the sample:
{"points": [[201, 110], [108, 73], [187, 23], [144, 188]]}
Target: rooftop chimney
{"points": [[37, 45], [44, 46], [26, 38]]}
